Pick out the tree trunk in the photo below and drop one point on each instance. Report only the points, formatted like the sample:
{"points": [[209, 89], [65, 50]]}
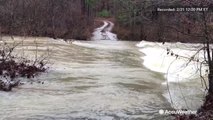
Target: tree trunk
{"points": [[210, 77], [211, 83]]}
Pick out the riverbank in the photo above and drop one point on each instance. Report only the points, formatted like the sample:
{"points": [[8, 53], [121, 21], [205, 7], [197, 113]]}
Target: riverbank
{"points": [[204, 113], [79, 34]]}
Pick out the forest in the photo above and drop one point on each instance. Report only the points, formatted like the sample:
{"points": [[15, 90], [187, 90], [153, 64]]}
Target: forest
{"points": [[106, 59], [134, 19], [54, 18]]}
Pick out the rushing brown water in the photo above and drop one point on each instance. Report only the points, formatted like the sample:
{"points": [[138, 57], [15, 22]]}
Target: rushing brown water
{"points": [[94, 80]]}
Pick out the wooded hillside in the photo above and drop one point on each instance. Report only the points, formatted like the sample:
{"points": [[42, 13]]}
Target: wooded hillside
{"points": [[134, 19], [140, 20], [54, 18]]}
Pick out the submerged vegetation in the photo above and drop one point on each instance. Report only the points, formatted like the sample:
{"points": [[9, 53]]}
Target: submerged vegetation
{"points": [[13, 67]]}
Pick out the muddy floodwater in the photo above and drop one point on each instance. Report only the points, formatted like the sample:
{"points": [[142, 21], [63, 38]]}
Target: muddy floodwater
{"points": [[93, 80]]}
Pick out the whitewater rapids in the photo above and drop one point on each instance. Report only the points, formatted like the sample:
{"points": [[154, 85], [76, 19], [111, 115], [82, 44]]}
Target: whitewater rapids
{"points": [[178, 68]]}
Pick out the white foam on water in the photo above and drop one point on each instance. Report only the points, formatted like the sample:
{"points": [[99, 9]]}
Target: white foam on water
{"points": [[104, 45], [89, 45], [111, 36], [174, 67]]}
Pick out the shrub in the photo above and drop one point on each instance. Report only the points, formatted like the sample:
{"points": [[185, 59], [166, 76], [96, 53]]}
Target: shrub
{"points": [[104, 13]]}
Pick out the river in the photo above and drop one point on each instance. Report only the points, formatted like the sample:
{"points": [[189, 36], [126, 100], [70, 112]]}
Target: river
{"points": [[94, 80]]}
